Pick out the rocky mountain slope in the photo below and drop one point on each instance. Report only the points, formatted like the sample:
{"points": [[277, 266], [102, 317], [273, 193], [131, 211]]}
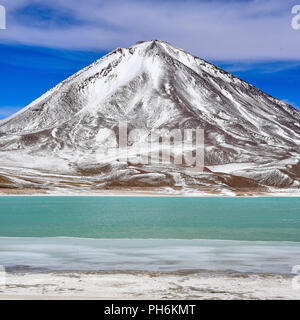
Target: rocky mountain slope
{"points": [[252, 140]]}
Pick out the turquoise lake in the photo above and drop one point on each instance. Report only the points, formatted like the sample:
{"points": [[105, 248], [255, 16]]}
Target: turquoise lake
{"points": [[251, 219]]}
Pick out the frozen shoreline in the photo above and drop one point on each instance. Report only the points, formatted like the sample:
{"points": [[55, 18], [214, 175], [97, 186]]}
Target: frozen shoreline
{"points": [[147, 285], [32, 255], [142, 193]]}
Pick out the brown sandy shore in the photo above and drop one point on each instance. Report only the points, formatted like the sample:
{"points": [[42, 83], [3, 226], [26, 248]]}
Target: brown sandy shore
{"points": [[146, 285]]}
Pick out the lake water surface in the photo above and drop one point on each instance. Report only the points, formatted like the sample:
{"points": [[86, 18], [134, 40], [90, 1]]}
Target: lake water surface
{"points": [[266, 219], [260, 235]]}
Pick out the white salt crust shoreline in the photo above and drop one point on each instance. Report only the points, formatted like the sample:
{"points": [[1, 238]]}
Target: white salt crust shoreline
{"points": [[146, 285], [121, 193]]}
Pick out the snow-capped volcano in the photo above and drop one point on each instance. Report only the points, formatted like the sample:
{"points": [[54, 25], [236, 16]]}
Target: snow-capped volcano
{"points": [[252, 140]]}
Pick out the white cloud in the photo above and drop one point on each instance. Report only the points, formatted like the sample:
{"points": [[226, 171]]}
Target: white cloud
{"points": [[8, 111], [262, 67], [254, 29]]}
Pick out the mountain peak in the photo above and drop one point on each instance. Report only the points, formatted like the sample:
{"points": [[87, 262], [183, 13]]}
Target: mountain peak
{"points": [[153, 85], [150, 41]]}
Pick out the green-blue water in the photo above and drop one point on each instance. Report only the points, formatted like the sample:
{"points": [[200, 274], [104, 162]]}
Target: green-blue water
{"points": [[269, 219]]}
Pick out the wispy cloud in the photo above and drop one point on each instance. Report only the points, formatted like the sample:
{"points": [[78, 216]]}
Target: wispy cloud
{"points": [[262, 67], [6, 111], [292, 103], [253, 29]]}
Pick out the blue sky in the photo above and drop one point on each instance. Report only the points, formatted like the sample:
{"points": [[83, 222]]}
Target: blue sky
{"points": [[45, 42]]}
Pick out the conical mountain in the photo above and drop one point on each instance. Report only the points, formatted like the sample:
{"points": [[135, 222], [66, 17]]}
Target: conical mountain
{"points": [[252, 140]]}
